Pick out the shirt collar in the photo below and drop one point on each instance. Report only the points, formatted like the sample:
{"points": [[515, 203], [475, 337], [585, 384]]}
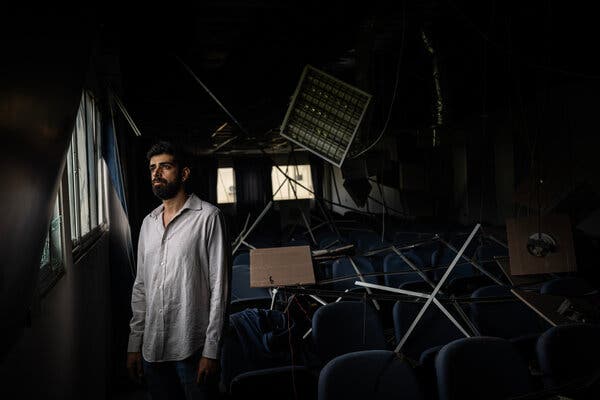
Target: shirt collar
{"points": [[192, 203]]}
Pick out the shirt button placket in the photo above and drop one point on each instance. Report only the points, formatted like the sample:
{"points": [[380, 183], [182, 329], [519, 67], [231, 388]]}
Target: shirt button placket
{"points": [[163, 263]]}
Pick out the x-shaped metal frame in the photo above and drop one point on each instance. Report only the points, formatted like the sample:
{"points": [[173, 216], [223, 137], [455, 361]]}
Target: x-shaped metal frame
{"points": [[431, 298]]}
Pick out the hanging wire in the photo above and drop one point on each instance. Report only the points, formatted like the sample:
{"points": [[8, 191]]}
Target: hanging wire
{"points": [[389, 115], [484, 116]]}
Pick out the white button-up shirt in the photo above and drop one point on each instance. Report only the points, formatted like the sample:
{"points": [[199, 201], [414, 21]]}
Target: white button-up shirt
{"points": [[181, 290]]}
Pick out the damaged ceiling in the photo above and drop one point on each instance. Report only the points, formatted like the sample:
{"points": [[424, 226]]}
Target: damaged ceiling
{"points": [[250, 55]]}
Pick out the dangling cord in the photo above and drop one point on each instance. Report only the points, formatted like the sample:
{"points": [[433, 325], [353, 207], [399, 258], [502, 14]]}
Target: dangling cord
{"points": [[364, 318], [291, 350]]}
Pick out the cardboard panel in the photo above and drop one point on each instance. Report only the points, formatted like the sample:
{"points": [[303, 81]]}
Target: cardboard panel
{"points": [[523, 263], [281, 266]]}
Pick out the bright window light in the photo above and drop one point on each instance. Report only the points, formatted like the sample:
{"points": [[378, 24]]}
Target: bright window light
{"points": [[287, 190], [225, 186]]}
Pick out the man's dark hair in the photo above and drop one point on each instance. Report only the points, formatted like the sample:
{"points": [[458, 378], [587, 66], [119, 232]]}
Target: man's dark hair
{"points": [[163, 147]]}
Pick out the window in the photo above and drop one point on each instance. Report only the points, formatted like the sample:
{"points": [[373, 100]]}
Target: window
{"points": [[284, 189], [51, 263], [86, 171], [225, 186]]}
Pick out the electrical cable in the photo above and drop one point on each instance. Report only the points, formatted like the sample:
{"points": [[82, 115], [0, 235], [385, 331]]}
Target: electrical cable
{"points": [[383, 130]]}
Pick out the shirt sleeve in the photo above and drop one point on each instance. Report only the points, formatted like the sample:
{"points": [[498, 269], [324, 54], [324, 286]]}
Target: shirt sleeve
{"points": [[138, 303], [219, 280]]}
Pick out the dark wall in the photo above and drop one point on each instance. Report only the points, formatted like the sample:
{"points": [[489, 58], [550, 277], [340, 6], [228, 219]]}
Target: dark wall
{"points": [[122, 274], [42, 70], [64, 354], [550, 137]]}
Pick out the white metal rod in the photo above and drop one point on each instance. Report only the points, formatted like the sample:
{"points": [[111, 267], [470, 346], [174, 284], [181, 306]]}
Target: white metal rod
{"points": [[375, 303], [436, 289], [450, 317], [533, 308], [416, 294], [262, 214], [414, 267], [317, 299], [337, 301], [476, 265], [395, 290], [308, 227]]}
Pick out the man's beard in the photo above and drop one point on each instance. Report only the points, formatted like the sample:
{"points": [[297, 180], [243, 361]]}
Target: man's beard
{"points": [[167, 190]]}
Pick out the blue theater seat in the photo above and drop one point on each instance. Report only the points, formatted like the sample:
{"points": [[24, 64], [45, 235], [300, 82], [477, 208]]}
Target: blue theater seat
{"points": [[481, 368], [345, 327], [374, 374]]}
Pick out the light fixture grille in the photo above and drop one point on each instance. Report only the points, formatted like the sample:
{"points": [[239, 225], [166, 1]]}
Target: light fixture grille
{"points": [[324, 115]]}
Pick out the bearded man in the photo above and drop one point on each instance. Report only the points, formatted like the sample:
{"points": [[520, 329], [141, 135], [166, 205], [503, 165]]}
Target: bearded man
{"points": [[181, 290]]}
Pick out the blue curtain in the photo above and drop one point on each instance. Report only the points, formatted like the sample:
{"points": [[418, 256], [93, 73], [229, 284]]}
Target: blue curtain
{"points": [[110, 153]]}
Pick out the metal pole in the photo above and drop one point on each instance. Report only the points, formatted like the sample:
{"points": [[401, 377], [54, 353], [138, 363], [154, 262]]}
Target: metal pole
{"points": [[417, 294], [308, 226], [414, 267], [375, 303], [320, 301], [262, 214], [436, 289], [476, 265], [188, 69]]}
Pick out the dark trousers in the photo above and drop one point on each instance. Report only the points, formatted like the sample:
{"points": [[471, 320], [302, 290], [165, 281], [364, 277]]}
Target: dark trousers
{"points": [[177, 380]]}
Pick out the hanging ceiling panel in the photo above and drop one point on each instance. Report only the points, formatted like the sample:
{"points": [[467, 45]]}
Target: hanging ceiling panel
{"points": [[324, 115]]}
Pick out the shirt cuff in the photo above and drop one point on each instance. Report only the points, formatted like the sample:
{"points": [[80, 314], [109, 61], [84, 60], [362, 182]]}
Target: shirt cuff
{"points": [[211, 349], [135, 344]]}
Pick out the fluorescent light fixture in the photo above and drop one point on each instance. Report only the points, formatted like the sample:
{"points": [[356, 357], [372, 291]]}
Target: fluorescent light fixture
{"points": [[324, 115]]}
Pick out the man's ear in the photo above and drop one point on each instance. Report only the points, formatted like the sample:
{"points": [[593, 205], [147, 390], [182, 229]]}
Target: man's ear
{"points": [[185, 174]]}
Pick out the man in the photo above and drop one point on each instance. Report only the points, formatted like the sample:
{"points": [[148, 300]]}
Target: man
{"points": [[181, 290]]}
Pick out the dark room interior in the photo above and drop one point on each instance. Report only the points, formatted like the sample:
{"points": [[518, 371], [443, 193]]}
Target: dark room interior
{"points": [[406, 191]]}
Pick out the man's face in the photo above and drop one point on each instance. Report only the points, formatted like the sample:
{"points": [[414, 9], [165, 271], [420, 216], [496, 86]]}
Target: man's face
{"points": [[166, 177]]}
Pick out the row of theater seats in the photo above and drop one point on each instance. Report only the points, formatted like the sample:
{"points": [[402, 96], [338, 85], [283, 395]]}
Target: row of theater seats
{"points": [[357, 362], [350, 326], [472, 368], [397, 271]]}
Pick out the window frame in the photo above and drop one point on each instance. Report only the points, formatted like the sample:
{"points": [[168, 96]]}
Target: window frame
{"points": [[292, 186], [51, 271], [219, 169], [88, 156]]}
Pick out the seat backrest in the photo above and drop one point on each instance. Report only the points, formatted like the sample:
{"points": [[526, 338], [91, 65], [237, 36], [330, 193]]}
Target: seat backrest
{"points": [[404, 237], [433, 329], [427, 371], [255, 339], [240, 285], [569, 287], [344, 327], [286, 382], [425, 252], [487, 251], [343, 267], [366, 240], [325, 239], [242, 259], [481, 368], [461, 270], [506, 319], [568, 352], [394, 263], [443, 257], [465, 285], [374, 374]]}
